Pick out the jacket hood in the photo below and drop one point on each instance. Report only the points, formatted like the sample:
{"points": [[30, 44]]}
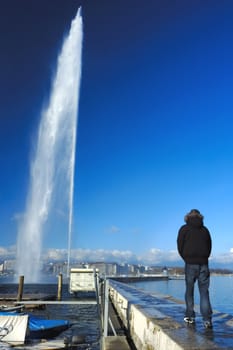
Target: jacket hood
{"points": [[195, 221], [194, 218]]}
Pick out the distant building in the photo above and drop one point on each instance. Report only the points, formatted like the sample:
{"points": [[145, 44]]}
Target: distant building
{"points": [[108, 269], [8, 265]]}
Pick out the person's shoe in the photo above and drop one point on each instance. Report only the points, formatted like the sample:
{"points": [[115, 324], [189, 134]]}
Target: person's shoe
{"points": [[208, 324], [190, 320]]}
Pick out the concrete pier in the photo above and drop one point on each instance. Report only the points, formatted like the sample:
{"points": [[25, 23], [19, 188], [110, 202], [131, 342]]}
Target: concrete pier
{"points": [[156, 322]]}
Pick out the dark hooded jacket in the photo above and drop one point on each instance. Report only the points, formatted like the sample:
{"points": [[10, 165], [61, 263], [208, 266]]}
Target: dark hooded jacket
{"points": [[194, 241]]}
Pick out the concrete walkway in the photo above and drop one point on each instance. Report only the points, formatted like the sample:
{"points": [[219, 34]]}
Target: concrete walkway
{"points": [[116, 343], [166, 314]]}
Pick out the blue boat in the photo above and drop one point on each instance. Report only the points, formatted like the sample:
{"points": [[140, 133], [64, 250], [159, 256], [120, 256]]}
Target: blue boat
{"points": [[16, 328], [44, 328]]}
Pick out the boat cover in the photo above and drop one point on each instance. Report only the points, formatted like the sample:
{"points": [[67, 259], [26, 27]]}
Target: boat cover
{"points": [[13, 328], [36, 324]]}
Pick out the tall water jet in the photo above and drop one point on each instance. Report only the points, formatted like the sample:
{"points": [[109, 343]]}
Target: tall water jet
{"points": [[52, 168]]}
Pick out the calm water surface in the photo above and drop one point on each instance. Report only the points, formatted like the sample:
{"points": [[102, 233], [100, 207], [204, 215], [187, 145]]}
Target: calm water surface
{"points": [[84, 318], [221, 291]]}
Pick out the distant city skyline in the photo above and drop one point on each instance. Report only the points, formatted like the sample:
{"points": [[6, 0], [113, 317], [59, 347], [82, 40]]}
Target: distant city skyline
{"points": [[154, 136], [150, 258]]}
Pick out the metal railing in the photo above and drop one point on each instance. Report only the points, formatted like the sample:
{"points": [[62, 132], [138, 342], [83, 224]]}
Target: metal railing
{"points": [[101, 300]]}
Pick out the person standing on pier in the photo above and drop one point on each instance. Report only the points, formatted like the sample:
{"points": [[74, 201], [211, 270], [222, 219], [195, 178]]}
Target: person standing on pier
{"points": [[194, 246]]}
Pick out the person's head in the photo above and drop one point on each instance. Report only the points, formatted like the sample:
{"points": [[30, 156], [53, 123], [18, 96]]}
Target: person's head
{"points": [[194, 213]]}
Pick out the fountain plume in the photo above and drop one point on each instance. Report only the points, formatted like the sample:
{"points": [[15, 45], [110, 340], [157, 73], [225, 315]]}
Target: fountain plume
{"points": [[52, 168]]}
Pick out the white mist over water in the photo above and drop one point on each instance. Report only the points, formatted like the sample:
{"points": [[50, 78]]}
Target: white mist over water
{"points": [[52, 169]]}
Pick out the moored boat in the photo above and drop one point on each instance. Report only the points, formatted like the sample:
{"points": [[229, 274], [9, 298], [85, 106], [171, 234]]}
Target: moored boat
{"points": [[16, 328]]}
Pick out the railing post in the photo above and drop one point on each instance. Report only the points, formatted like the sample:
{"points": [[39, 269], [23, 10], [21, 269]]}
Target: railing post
{"points": [[106, 300], [97, 290]]}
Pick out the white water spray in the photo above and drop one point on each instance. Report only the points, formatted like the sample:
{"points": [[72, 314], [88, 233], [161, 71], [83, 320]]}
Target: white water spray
{"points": [[52, 169]]}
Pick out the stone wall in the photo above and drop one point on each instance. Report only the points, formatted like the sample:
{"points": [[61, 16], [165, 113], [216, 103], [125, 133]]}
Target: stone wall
{"points": [[155, 322]]}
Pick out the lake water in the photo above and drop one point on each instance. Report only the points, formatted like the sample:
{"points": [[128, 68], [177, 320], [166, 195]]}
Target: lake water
{"points": [[83, 318], [221, 291]]}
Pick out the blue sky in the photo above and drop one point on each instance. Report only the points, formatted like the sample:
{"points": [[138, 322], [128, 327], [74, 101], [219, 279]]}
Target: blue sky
{"points": [[155, 118]]}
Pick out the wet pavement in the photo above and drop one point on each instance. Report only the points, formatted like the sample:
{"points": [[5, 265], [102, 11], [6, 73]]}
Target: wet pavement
{"points": [[168, 314]]}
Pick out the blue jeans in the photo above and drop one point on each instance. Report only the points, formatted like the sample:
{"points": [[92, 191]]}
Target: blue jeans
{"points": [[200, 273]]}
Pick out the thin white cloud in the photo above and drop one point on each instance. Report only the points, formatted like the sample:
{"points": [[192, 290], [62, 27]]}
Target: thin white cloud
{"points": [[3, 251], [224, 258], [157, 256], [17, 216], [113, 229]]}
